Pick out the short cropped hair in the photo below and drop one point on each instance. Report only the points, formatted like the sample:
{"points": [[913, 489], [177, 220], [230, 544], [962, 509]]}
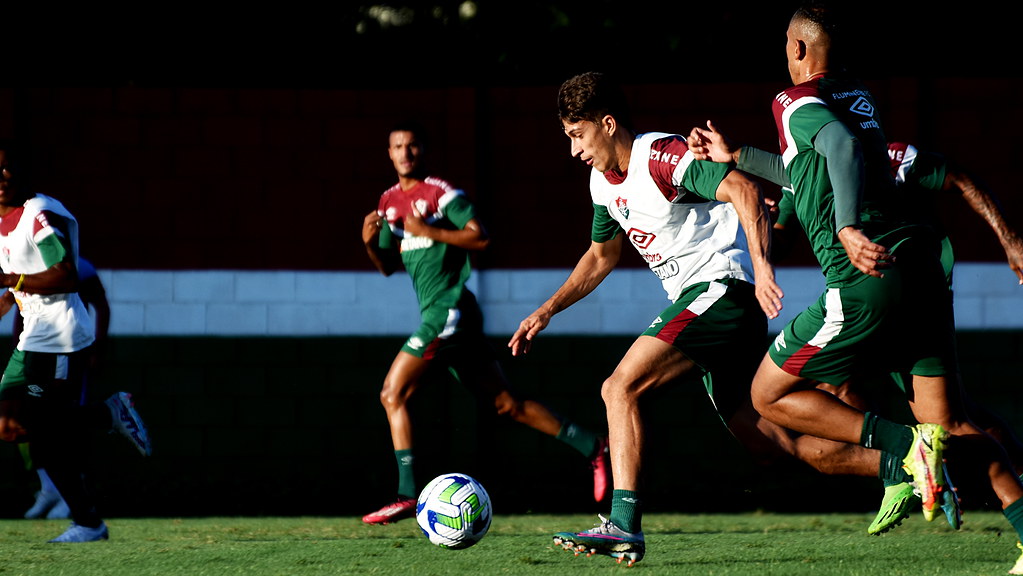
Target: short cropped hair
{"points": [[409, 126]]}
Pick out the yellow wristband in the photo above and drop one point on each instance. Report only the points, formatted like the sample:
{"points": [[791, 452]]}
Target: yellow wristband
{"points": [[21, 280]]}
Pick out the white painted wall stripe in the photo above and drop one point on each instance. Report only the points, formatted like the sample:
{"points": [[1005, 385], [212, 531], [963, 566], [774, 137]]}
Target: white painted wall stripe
{"points": [[300, 303]]}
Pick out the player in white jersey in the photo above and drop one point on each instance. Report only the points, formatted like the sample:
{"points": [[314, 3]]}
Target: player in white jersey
{"points": [[705, 232], [41, 387]]}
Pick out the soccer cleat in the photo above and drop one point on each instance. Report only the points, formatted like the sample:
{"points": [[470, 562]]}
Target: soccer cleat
{"points": [[895, 505], [924, 464], [45, 501], [604, 538], [60, 511], [399, 509], [950, 501], [1018, 568], [601, 464], [128, 423], [76, 533]]}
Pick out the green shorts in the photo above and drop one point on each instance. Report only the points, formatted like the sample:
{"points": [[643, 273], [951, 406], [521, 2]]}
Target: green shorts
{"points": [[456, 333], [900, 323], [721, 327]]}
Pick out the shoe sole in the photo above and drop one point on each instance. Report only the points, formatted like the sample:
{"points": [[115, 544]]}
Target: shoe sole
{"points": [[567, 542], [130, 424], [380, 519], [900, 511]]}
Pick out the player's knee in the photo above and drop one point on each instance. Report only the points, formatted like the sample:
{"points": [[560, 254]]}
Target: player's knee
{"points": [[11, 431], [615, 390], [763, 403], [391, 399]]}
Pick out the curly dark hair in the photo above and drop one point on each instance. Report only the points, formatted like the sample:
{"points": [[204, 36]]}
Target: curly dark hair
{"points": [[590, 97]]}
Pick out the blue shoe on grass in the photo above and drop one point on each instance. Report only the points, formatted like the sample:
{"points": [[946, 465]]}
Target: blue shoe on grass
{"points": [[76, 533]]}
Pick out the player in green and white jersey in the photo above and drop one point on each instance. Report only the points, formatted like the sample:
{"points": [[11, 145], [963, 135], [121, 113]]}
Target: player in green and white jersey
{"points": [[430, 227], [887, 306]]}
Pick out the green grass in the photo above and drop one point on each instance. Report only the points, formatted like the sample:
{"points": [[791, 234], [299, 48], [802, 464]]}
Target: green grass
{"points": [[733, 544]]}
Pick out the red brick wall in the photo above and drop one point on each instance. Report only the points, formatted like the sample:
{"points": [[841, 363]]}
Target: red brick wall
{"points": [[280, 179]]}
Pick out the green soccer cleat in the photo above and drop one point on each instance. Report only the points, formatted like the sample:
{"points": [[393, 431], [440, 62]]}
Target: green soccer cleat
{"points": [[895, 507], [1018, 568], [604, 538], [924, 464]]}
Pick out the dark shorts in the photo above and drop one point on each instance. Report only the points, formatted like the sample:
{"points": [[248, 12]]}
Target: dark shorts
{"points": [[721, 327], [44, 376]]}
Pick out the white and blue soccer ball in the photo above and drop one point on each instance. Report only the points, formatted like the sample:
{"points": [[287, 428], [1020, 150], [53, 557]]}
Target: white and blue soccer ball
{"points": [[454, 511]]}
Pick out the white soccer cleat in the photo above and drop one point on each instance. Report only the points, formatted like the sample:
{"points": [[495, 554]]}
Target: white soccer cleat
{"points": [[128, 423]]}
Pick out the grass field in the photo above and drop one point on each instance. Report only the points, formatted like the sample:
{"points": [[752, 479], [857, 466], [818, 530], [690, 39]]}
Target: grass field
{"points": [[729, 544]]}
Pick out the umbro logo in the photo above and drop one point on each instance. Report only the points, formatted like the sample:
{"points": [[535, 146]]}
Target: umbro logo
{"points": [[863, 107], [779, 341]]}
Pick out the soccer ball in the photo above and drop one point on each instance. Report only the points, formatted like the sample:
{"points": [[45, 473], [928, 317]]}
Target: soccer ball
{"points": [[454, 511]]}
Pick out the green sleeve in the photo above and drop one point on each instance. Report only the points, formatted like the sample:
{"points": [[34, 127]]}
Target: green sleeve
{"points": [[845, 169], [786, 210], [605, 227], [703, 177], [53, 249], [928, 171], [386, 239], [766, 165], [459, 211]]}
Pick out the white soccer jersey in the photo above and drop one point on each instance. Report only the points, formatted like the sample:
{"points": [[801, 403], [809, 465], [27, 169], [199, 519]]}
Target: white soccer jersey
{"points": [[54, 323], [684, 237]]}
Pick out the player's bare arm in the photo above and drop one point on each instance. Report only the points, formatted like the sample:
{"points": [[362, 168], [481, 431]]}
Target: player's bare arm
{"points": [[472, 237], [6, 302], [986, 205], [61, 278], [748, 199], [866, 256], [589, 272]]}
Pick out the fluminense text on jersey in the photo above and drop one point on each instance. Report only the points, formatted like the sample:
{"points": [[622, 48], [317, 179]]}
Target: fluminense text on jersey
{"points": [[666, 270]]}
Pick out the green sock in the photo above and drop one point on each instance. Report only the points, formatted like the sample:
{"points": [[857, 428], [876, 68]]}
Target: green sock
{"points": [[627, 510], [885, 435], [406, 479], [1014, 513], [579, 438], [891, 471]]}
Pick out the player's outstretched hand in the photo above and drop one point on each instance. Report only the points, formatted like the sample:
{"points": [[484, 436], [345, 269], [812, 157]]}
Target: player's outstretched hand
{"points": [[709, 144], [866, 256], [522, 340]]}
